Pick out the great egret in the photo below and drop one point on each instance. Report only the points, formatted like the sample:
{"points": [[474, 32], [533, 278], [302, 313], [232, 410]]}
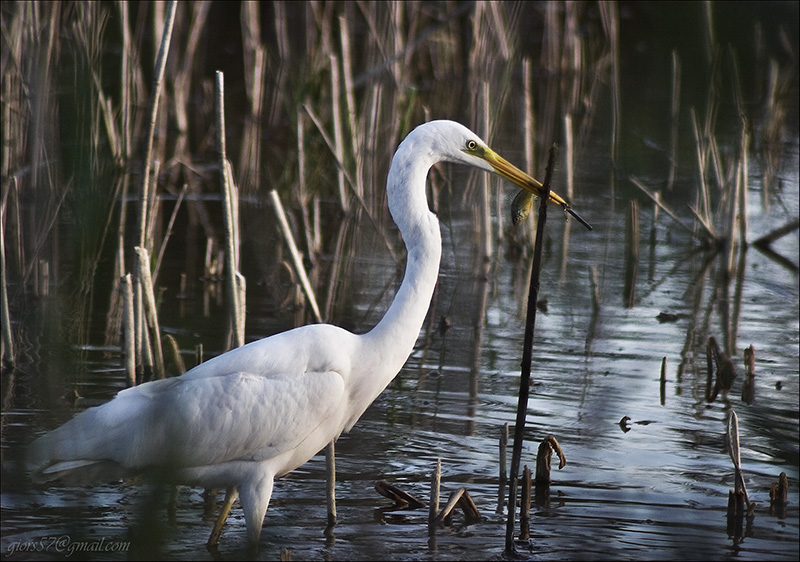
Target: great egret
{"points": [[260, 411]]}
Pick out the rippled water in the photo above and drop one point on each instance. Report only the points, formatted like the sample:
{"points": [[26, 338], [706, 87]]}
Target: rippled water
{"points": [[657, 491]]}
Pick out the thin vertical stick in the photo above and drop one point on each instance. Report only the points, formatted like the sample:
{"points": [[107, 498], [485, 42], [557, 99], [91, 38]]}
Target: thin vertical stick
{"points": [[337, 133], [631, 253], [529, 114], [527, 354], [436, 482], [676, 106], [486, 214], [504, 454], [347, 70], [7, 353], [330, 488], [570, 159], [158, 78]]}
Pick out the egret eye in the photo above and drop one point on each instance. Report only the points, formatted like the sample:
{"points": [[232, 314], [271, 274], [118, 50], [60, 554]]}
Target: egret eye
{"points": [[471, 145]]}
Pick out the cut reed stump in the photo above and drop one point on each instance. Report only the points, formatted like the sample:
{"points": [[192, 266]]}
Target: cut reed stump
{"points": [[436, 482], [525, 506], [460, 498], [778, 493]]}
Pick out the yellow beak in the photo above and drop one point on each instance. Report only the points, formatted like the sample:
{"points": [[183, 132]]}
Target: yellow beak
{"points": [[513, 174]]}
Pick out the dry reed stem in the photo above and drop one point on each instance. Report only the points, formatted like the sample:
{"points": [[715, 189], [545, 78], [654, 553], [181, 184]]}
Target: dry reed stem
{"points": [[675, 118], [7, 354], [338, 141], [297, 260], [150, 309], [158, 79], [732, 438], [230, 217]]}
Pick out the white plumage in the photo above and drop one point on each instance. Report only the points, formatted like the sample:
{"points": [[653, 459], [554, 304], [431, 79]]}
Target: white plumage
{"points": [[259, 411]]}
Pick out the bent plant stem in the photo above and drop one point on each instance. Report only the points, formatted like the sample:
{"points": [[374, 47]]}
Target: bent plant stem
{"points": [[527, 352]]}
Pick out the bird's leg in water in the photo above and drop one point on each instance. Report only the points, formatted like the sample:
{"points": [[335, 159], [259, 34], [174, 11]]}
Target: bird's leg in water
{"points": [[230, 496]]}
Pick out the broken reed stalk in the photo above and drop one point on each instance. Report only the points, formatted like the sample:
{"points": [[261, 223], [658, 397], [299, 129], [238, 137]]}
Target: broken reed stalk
{"points": [[129, 328], [436, 483], [158, 79], [297, 260], [547, 447], [631, 253], [663, 386], [459, 498], [527, 352], [229, 214], [503, 454], [401, 498], [525, 506], [740, 490]]}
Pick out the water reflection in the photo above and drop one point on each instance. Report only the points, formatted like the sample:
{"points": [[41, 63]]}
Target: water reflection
{"points": [[604, 350]]}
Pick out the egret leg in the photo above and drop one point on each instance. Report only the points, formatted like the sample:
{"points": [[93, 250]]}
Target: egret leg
{"points": [[254, 496], [230, 496]]}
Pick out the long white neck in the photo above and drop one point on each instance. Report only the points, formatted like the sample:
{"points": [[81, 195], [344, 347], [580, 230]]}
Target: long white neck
{"points": [[387, 346]]}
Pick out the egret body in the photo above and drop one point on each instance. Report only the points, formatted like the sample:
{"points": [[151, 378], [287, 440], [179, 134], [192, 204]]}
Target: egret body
{"points": [[255, 413]]}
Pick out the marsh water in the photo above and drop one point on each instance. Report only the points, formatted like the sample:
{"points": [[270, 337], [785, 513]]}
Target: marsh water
{"points": [[654, 488]]}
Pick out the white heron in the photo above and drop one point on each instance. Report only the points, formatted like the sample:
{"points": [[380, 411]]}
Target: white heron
{"points": [[255, 413]]}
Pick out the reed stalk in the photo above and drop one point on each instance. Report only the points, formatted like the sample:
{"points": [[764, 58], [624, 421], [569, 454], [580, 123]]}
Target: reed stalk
{"points": [[7, 354], [297, 260], [230, 216], [150, 308], [436, 484], [525, 506], [338, 140], [158, 79], [487, 247], [128, 328], [675, 108], [527, 354]]}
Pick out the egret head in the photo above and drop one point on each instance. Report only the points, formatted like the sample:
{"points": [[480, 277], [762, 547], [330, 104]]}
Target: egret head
{"points": [[449, 141]]}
